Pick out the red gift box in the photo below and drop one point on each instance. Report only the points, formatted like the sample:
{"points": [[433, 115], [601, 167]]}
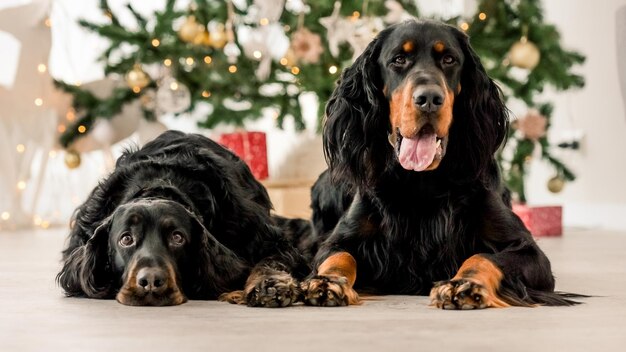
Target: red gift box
{"points": [[251, 147], [541, 221]]}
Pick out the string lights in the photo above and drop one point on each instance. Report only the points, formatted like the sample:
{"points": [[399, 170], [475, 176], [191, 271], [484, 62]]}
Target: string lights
{"points": [[10, 218]]}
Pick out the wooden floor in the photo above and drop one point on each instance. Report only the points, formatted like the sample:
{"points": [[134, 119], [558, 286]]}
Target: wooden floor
{"points": [[34, 315]]}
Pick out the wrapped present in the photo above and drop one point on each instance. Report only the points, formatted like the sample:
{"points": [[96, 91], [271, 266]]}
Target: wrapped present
{"points": [[251, 147], [541, 220]]}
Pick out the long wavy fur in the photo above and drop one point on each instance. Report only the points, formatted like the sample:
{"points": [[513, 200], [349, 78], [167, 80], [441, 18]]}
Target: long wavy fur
{"points": [[360, 160]]}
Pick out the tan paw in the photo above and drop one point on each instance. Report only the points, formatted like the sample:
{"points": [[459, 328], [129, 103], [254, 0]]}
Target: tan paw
{"points": [[460, 294], [328, 291], [272, 291]]}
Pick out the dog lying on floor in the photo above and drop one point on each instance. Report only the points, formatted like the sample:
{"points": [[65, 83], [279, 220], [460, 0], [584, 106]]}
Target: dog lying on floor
{"points": [[413, 194], [181, 218]]}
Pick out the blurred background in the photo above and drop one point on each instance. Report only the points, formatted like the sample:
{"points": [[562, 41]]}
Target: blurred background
{"points": [[80, 81]]}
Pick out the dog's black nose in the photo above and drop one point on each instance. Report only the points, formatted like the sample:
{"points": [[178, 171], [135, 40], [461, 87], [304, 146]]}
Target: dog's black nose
{"points": [[151, 279], [428, 99]]}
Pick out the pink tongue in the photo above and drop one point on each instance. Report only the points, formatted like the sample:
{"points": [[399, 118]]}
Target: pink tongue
{"points": [[418, 153]]}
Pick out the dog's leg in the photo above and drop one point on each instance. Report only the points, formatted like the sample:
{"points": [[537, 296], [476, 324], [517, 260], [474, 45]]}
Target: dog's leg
{"points": [[475, 286], [332, 286], [269, 285]]}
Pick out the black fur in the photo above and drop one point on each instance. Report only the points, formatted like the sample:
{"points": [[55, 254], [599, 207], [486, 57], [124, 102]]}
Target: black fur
{"points": [[408, 229], [206, 188]]}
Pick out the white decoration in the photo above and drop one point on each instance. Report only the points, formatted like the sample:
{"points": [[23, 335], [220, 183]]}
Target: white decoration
{"points": [[103, 132], [364, 31], [29, 111], [270, 41], [338, 29], [172, 96], [232, 52], [396, 13], [297, 6], [122, 125], [269, 10], [442, 9]]}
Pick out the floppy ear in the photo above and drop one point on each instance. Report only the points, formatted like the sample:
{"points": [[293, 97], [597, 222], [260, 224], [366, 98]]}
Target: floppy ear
{"points": [[218, 268], [87, 269], [480, 116], [357, 123]]}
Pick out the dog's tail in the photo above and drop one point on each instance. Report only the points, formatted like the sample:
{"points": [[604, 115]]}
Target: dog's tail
{"points": [[532, 297], [555, 298]]}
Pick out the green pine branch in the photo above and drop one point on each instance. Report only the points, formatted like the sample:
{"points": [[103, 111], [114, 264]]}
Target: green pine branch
{"points": [[492, 38]]}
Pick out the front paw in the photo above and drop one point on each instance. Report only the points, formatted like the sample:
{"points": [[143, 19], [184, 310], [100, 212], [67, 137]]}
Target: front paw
{"points": [[328, 291], [459, 294], [273, 290]]}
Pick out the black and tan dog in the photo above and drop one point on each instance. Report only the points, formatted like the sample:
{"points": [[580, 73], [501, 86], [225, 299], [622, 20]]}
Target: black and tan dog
{"points": [[413, 194], [182, 218]]}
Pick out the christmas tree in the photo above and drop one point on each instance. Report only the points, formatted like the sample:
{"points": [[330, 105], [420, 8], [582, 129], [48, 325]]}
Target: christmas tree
{"points": [[523, 54], [239, 58], [242, 58]]}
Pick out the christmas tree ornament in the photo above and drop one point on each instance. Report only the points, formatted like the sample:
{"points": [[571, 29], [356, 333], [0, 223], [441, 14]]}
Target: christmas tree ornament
{"points": [[137, 78], [263, 44], [306, 46], [172, 96], [218, 35], [72, 159], [202, 38], [396, 13], [148, 100], [336, 28], [524, 54], [297, 6], [533, 125], [265, 11], [189, 31], [363, 31], [232, 52], [556, 184]]}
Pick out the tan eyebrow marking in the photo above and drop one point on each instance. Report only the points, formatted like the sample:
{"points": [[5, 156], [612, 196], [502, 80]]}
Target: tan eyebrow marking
{"points": [[408, 46], [439, 46]]}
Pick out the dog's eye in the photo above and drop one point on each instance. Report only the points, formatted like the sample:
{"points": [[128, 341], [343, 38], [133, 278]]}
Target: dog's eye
{"points": [[127, 240], [177, 239], [448, 60], [399, 60]]}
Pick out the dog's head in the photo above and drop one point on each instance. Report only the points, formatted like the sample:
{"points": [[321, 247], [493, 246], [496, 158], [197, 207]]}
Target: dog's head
{"points": [[149, 243], [417, 96], [151, 252]]}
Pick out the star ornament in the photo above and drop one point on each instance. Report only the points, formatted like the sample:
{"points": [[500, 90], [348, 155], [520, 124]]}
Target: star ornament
{"points": [[339, 29]]}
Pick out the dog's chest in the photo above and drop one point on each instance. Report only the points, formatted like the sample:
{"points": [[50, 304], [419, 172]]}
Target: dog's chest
{"points": [[418, 248]]}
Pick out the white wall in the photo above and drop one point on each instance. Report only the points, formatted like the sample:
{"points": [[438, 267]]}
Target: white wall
{"points": [[598, 197]]}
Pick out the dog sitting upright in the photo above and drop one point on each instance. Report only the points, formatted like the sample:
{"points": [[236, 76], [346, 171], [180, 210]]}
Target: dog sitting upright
{"points": [[182, 218]]}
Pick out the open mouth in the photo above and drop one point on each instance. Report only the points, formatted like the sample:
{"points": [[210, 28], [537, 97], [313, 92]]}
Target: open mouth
{"points": [[423, 151]]}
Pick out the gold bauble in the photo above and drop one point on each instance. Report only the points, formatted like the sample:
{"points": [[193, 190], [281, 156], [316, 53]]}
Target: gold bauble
{"points": [[524, 54], [218, 36], [190, 30], [556, 184], [72, 159], [137, 78], [203, 38]]}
